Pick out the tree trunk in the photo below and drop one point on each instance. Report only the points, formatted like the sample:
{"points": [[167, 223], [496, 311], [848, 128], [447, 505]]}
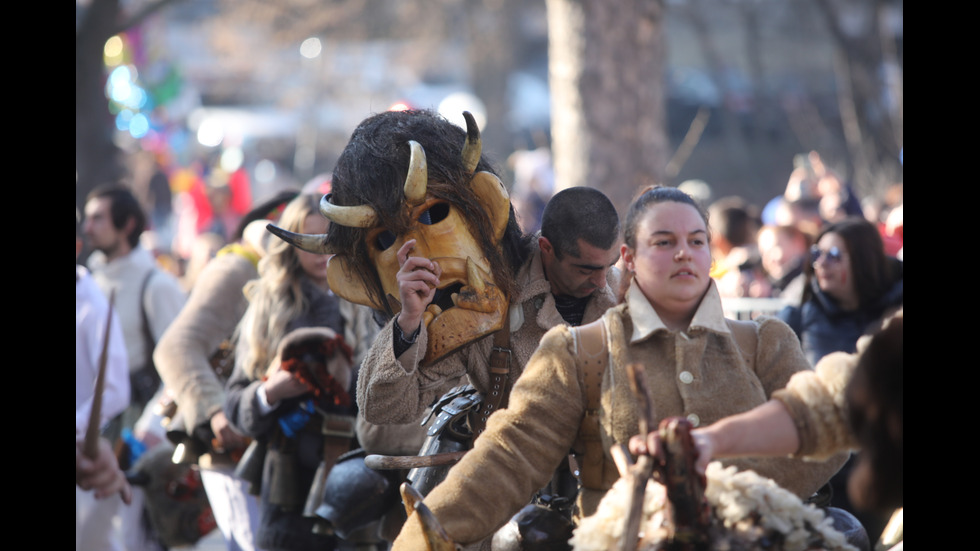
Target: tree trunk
{"points": [[493, 39], [97, 159], [606, 63]]}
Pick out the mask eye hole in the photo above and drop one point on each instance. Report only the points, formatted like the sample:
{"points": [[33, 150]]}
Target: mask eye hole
{"points": [[385, 239], [434, 214]]}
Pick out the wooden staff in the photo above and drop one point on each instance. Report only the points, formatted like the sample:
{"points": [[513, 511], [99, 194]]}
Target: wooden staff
{"points": [[644, 464], [93, 431], [385, 462]]}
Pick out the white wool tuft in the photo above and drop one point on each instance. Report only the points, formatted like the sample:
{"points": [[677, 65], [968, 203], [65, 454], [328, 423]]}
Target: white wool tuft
{"points": [[736, 499]]}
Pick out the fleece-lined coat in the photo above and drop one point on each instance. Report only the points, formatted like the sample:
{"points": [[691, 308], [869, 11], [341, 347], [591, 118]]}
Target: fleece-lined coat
{"points": [[215, 305], [700, 373], [394, 390], [817, 402]]}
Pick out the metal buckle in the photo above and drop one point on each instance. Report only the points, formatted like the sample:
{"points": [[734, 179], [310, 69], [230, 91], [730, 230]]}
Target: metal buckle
{"points": [[505, 370]]}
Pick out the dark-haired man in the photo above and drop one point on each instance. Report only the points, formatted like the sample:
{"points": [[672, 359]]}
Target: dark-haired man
{"points": [[564, 279], [147, 299]]}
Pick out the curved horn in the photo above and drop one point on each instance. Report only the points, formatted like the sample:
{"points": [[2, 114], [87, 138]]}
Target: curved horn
{"points": [[418, 175], [360, 216], [310, 243], [474, 146]]}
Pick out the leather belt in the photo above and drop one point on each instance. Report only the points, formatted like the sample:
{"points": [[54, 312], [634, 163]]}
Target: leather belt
{"points": [[500, 362]]}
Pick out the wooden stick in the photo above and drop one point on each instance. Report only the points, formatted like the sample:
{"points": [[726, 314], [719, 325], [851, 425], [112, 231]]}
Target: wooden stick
{"points": [[643, 468], [93, 431], [386, 462]]}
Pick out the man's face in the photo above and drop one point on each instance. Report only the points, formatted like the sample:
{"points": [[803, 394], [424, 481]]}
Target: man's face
{"points": [[98, 228], [577, 276], [780, 251]]}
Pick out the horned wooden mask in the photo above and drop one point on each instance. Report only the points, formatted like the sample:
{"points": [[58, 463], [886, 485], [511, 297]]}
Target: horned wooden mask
{"points": [[469, 303]]}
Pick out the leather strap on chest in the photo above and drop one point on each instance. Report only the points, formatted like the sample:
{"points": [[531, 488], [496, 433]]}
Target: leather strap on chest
{"points": [[746, 337], [499, 389], [592, 353]]}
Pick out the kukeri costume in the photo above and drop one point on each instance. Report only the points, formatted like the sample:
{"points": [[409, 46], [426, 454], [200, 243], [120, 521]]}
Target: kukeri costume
{"points": [[415, 176], [398, 390], [702, 373]]}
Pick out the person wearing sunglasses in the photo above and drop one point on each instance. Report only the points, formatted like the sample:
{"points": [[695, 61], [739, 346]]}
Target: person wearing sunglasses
{"points": [[852, 287]]}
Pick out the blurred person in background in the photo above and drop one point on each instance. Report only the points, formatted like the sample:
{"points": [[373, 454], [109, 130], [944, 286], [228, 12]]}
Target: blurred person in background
{"points": [[265, 400], [734, 223], [194, 360], [784, 251], [534, 182], [852, 287], [147, 299], [97, 479]]}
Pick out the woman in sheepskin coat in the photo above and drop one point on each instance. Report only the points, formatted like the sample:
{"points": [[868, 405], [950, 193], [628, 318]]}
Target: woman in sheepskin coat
{"points": [[672, 323]]}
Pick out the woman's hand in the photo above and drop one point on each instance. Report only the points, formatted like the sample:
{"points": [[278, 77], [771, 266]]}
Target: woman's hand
{"points": [[281, 385], [651, 445], [766, 430], [417, 278]]}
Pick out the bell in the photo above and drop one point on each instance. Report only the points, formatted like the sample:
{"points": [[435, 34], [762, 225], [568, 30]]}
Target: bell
{"points": [[356, 496], [536, 527], [184, 454], [281, 476], [251, 465], [315, 496]]}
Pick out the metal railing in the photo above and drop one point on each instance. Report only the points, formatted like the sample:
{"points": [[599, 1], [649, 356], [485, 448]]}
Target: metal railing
{"points": [[750, 308]]}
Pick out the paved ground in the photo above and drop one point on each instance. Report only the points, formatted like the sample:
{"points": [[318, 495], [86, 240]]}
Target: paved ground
{"points": [[211, 542]]}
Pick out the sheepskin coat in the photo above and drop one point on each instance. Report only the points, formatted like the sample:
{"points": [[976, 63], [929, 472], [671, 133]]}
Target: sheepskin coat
{"points": [[700, 373], [215, 305], [817, 402], [394, 390], [213, 309]]}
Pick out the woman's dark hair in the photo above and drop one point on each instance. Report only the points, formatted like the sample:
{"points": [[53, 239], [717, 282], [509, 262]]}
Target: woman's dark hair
{"points": [[871, 268], [647, 197], [875, 403]]}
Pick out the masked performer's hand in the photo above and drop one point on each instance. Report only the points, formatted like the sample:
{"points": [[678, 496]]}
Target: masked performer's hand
{"points": [[418, 278]]}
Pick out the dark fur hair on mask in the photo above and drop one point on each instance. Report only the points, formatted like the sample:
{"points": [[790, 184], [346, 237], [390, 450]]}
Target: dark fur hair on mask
{"points": [[372, 169]]}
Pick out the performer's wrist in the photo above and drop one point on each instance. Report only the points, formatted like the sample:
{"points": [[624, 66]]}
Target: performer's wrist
{"points": [[409, 338]]}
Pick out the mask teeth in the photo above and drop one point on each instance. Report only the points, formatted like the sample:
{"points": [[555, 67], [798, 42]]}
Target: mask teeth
{"points": [[455, 297], [474, 276]]}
